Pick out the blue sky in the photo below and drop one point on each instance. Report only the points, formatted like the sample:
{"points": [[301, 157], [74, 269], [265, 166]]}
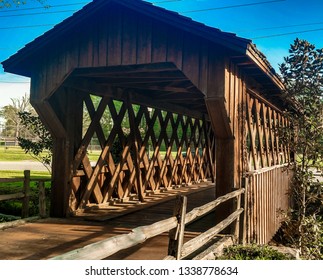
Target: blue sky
{"points": [[271, 24]]}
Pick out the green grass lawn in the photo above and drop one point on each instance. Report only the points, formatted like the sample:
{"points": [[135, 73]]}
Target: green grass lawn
{"points": [[18, 154], [20, 174], [8, 188], [13, 207], [14, 154]]}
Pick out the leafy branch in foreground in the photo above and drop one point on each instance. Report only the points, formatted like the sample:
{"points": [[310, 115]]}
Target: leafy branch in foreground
{"points": [[41, 146], [17, 3]]}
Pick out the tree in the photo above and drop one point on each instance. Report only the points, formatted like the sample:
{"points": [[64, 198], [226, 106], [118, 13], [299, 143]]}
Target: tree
{"points": [[41, 146], [16, 3], [10, 114], [302, 73]]}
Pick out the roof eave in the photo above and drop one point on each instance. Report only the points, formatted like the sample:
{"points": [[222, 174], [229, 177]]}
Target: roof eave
{"points": [[260, 60], [14, 63]]}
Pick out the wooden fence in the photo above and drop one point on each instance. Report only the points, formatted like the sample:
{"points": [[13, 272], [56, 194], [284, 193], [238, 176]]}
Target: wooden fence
{"points": [[26, 193], [174, 225], [265, 201]]}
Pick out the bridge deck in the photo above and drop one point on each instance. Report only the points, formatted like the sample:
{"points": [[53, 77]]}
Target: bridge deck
{"points": [[49, 237]]}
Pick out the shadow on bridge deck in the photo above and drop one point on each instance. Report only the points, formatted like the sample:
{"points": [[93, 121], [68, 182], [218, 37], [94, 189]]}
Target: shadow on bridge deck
{"points": [[50, 237]]}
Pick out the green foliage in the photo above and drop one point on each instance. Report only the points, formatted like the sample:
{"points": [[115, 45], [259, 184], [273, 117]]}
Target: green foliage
{"points": [[41, 148], [5, 218], [302, 73], [19, 174], [13, 154], [10, 114], [252, 252], [17, 3], [13, 207]]}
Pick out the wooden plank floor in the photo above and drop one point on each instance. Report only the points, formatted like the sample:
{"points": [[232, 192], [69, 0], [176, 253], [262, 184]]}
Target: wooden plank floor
{"points": [[47, 238]]}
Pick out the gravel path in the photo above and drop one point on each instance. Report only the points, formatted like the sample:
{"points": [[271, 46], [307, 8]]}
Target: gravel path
{"points": [[22, 165]]}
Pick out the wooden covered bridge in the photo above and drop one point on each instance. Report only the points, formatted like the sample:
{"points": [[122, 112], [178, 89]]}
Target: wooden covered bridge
{"points": [[170, 102]]}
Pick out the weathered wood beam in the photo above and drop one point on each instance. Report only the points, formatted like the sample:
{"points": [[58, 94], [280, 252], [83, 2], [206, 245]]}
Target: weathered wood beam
{"points": [[176, 235], [135, 136], [140, 68], [49, 118], [102, 159], [68, 106], [137, 98], [108, 247], [205, 209], [263, 100], [95, 123], [115, 81], [219, 117], [159, 88], [197, 242], [4, 197]]}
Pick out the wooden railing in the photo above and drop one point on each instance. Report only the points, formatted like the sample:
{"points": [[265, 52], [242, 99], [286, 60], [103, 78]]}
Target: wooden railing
{"points": [[266, 199], [174, 225], [26, 193]]}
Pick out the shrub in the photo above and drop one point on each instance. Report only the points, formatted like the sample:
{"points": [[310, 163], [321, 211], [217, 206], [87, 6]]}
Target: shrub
{"points": [[252, 252]]}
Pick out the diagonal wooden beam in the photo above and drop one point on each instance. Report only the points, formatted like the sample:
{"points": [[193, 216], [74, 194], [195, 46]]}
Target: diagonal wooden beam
{"points": [[88, 170], [102, 159], [90, 132], [50, 119], [135, 143]]}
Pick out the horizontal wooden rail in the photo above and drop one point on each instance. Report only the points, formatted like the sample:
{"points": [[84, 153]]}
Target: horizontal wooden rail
{"points": [[196, 243], [267, 169], [4, 197], [18, 180], [105, 169], [209, 207], [25, 194], [105, 248], [11, 180]]}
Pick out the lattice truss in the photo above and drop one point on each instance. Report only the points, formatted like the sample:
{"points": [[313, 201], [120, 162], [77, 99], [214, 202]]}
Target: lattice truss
{"points": [[263, 126], [142, 150]]}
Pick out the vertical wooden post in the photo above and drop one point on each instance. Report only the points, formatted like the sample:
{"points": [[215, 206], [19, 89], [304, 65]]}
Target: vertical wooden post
{"points": [[135, 138], [224, 176], [237, 231], [243, 221], [26, 190], [68, 106], [42, 199], [176, 236]]}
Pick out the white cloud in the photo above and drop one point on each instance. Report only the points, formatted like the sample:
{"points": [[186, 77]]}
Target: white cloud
{"points": [[12, 86], [12, 90]]}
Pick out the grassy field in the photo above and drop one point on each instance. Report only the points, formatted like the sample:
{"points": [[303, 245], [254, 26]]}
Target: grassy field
{"points": [[20, 174], [18, 154], [13, 207], [13, 154]]}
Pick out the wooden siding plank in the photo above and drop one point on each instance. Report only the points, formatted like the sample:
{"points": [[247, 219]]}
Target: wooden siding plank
{"points": [[203, 67], [129, 38], [102, 28], [144, 40], [191, 59], [115, 37], [159, 39]]}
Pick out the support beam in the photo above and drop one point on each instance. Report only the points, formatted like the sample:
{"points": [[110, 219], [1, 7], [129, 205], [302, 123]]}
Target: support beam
{"points": [[223, 112], [69, 110], [225, 173]]}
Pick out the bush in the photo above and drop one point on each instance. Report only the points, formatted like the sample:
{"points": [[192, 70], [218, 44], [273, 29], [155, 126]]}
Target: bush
{"points": [[14, 207], [4, 219], [252, 252]]}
